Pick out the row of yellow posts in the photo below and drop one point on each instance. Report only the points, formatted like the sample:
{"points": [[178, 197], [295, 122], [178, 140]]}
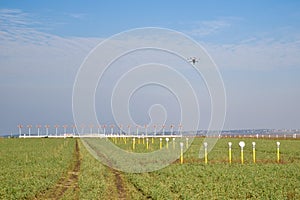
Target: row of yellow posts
{"points": [[241, 144], [152, 141], [147, 142]]}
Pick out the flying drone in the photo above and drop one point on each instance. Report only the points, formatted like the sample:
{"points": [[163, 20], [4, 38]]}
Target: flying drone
{"points": [[193, 60]]}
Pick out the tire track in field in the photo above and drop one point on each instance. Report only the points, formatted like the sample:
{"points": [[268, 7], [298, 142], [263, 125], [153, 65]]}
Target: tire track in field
{"points": [[67, 184], [119, 183]]}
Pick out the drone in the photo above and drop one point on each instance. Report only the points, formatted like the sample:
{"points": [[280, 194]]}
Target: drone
{"points": [[193, 60]]}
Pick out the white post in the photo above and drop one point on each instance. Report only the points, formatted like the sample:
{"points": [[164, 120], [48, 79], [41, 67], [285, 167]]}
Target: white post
{"points": [[160, 143], [229, 151], [253, 152], [181, 152], [278, 152], [172, 129], [154, 130], [187, 143], [242, 145], [167, 140], [173, 143], [163, 130], [205, 152]]}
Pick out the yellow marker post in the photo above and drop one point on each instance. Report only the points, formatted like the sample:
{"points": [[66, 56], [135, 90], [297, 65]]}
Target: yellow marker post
{"points": [[242, 145], [143, 140], [187, 143], [133, 143], [229, 152], [147, 143], [278, 152], [167, 143], [137, 134], [205, 152], [160, 143], [125, 140], [152, 140], [253, 152], [181, 152], [173, 143]]}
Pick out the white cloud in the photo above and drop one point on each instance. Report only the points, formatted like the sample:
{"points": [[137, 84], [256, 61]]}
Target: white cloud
{"points": [[27, 51], [260, 51], [77, 15], [205, 28], [208, 27], [37, 57], [256, 54]]}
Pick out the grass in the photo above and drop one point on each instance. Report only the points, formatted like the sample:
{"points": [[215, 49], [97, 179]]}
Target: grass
{"points": [[220, 180], [29, 167]]}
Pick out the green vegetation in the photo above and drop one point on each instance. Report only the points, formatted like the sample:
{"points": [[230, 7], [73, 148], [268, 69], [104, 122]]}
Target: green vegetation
{"points": [[220, 180], [97, 181], [30, 168]]}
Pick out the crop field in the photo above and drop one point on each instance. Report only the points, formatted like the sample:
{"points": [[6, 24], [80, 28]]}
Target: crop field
{"points": [[64, 169]]}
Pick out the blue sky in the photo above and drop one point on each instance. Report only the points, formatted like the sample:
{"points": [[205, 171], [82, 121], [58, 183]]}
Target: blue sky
{"points": [[102, 19], [256, 45]]}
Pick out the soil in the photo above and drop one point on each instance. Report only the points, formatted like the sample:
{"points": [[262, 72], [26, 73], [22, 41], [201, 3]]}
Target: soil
{"points": [[67, 183]]}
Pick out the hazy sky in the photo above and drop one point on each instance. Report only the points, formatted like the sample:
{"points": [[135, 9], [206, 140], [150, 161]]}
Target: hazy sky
{"points": [[256, 45]]}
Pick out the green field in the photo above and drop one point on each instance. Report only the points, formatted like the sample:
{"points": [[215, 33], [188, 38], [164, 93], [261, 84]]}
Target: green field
{"points": [[64, 169]]}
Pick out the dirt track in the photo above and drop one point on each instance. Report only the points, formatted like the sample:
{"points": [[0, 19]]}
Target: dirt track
{"points": [[118, 178], [119, 184], [68, 183]]}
